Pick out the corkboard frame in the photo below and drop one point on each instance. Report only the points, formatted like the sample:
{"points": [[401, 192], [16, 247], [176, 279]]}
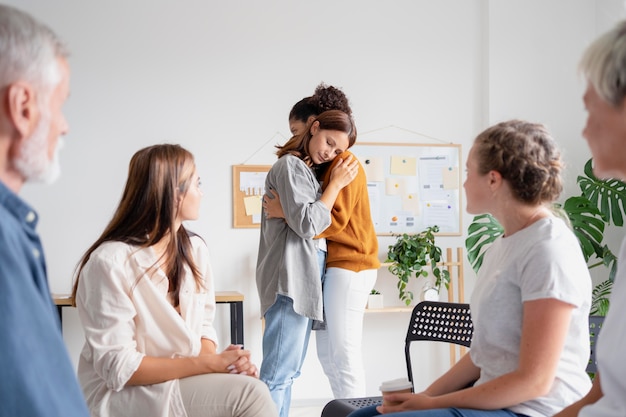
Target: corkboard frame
{"points": [[240, 218]]}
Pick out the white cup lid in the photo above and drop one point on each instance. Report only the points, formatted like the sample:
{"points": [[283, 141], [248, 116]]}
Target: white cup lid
{"points": [[396, 385]]}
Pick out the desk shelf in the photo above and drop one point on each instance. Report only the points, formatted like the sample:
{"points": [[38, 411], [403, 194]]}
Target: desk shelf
{"points": [[234, 298]]}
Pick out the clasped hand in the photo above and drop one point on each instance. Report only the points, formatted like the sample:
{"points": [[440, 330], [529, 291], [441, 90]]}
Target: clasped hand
{"points": [[406, 402], [234, 360]]}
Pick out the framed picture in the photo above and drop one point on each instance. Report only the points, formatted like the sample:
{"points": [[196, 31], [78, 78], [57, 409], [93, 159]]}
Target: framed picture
{"points": [[248, 190]]}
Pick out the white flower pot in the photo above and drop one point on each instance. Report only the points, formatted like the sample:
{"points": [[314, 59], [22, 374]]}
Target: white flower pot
{"points": [[429, 294], [375, 301]]}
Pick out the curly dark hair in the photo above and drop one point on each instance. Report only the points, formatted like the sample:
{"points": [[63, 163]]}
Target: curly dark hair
{"points": [[526, 156], [326, 97]]}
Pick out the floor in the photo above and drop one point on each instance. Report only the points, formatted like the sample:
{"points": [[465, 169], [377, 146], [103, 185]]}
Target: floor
{"points": [[306, 411]]}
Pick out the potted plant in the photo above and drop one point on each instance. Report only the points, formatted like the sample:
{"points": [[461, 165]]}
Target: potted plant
{"points": [[600, 204], [375, 300], [416, 255]]}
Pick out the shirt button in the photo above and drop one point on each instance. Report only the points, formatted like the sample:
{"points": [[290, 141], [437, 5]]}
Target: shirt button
{"points": [[30, 217], [36, 253]]}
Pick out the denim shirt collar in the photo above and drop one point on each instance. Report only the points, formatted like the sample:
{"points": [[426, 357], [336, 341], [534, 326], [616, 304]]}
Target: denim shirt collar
{"points": [[23, 212]]}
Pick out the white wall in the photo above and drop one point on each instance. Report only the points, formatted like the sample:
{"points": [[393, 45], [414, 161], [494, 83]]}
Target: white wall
{"points": [[220, 77]]}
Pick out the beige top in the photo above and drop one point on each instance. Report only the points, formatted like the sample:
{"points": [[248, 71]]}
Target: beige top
{"points": [[126, 315]]}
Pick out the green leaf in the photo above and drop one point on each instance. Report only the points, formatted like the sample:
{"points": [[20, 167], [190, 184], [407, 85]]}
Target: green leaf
{"points": [[610, 261], [482, 232], [587, 223], [609, 195], [600, 298]]}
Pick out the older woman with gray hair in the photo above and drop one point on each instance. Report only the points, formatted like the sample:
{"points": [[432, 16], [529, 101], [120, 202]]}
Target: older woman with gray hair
{"points": [[604, 67]]}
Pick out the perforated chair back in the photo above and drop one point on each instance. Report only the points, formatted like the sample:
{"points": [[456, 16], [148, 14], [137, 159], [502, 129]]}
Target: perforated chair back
{"points": [[438, 322], [341, 407], [595, 324], [433, 321]]}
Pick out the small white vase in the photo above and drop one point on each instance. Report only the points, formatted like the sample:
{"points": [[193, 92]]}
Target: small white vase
{"points": [[375, 301], [429, 293]]}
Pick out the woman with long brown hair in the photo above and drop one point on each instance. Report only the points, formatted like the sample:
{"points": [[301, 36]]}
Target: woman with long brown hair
{"points": [[290, 262], [145, 298]]}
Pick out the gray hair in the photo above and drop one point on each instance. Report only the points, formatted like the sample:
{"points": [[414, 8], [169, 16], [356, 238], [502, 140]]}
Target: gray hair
{"points": [[29, 50], [604, 65]]}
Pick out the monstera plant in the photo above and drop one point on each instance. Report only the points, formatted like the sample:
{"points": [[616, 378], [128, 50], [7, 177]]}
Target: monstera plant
{"points": [[601, 203]]}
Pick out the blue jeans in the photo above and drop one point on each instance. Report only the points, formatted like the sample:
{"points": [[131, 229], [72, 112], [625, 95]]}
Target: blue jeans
{"points": [[440, 412], [285, 342]]}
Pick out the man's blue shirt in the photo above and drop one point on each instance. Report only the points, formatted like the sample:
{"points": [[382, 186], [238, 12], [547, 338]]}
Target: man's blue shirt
{"points": [[36, 374]]}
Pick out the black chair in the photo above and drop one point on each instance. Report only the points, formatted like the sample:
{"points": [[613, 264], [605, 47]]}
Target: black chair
{"points": [[595, 324], [430, 321], [442, 322]]}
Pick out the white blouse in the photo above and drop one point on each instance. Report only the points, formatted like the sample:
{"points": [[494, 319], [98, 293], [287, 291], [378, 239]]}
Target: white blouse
{"points": [[126, 314]]}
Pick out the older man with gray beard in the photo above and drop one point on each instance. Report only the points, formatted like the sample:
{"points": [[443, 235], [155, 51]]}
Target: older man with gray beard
{"points": [[37, 376]]}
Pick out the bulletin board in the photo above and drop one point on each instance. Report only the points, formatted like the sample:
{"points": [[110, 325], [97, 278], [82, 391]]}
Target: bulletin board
{"points": [[413, 186], [248, 190]]}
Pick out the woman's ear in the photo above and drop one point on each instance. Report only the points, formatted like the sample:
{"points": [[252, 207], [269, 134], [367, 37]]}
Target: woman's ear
{"points": [[179, 198], [315, 127], [495, 179], [310, 119]]}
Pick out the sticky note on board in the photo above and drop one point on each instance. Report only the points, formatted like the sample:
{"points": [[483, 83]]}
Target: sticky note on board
{"points": [[450, 178], [373, 168], [394, 186], [252, 204], [403, 165], [410, 203]]}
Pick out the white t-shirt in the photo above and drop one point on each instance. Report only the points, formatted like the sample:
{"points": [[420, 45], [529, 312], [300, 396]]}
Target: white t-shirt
{"points": [[541, 261], [610, 351]]}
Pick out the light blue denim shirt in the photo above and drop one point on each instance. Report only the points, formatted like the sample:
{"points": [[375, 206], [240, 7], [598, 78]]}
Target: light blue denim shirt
{"points": [[287, 260], [37, 376]]}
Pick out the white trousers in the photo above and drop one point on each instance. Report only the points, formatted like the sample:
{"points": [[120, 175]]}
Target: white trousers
{"points": [[226, 395], [339, 346]]}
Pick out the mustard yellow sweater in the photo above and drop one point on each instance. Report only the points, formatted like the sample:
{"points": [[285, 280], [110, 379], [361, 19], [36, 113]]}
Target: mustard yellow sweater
{"points": [[351, 238]]}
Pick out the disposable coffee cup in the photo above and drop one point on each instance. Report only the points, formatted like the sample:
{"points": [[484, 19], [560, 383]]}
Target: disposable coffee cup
{"points": [[400, 385]]}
